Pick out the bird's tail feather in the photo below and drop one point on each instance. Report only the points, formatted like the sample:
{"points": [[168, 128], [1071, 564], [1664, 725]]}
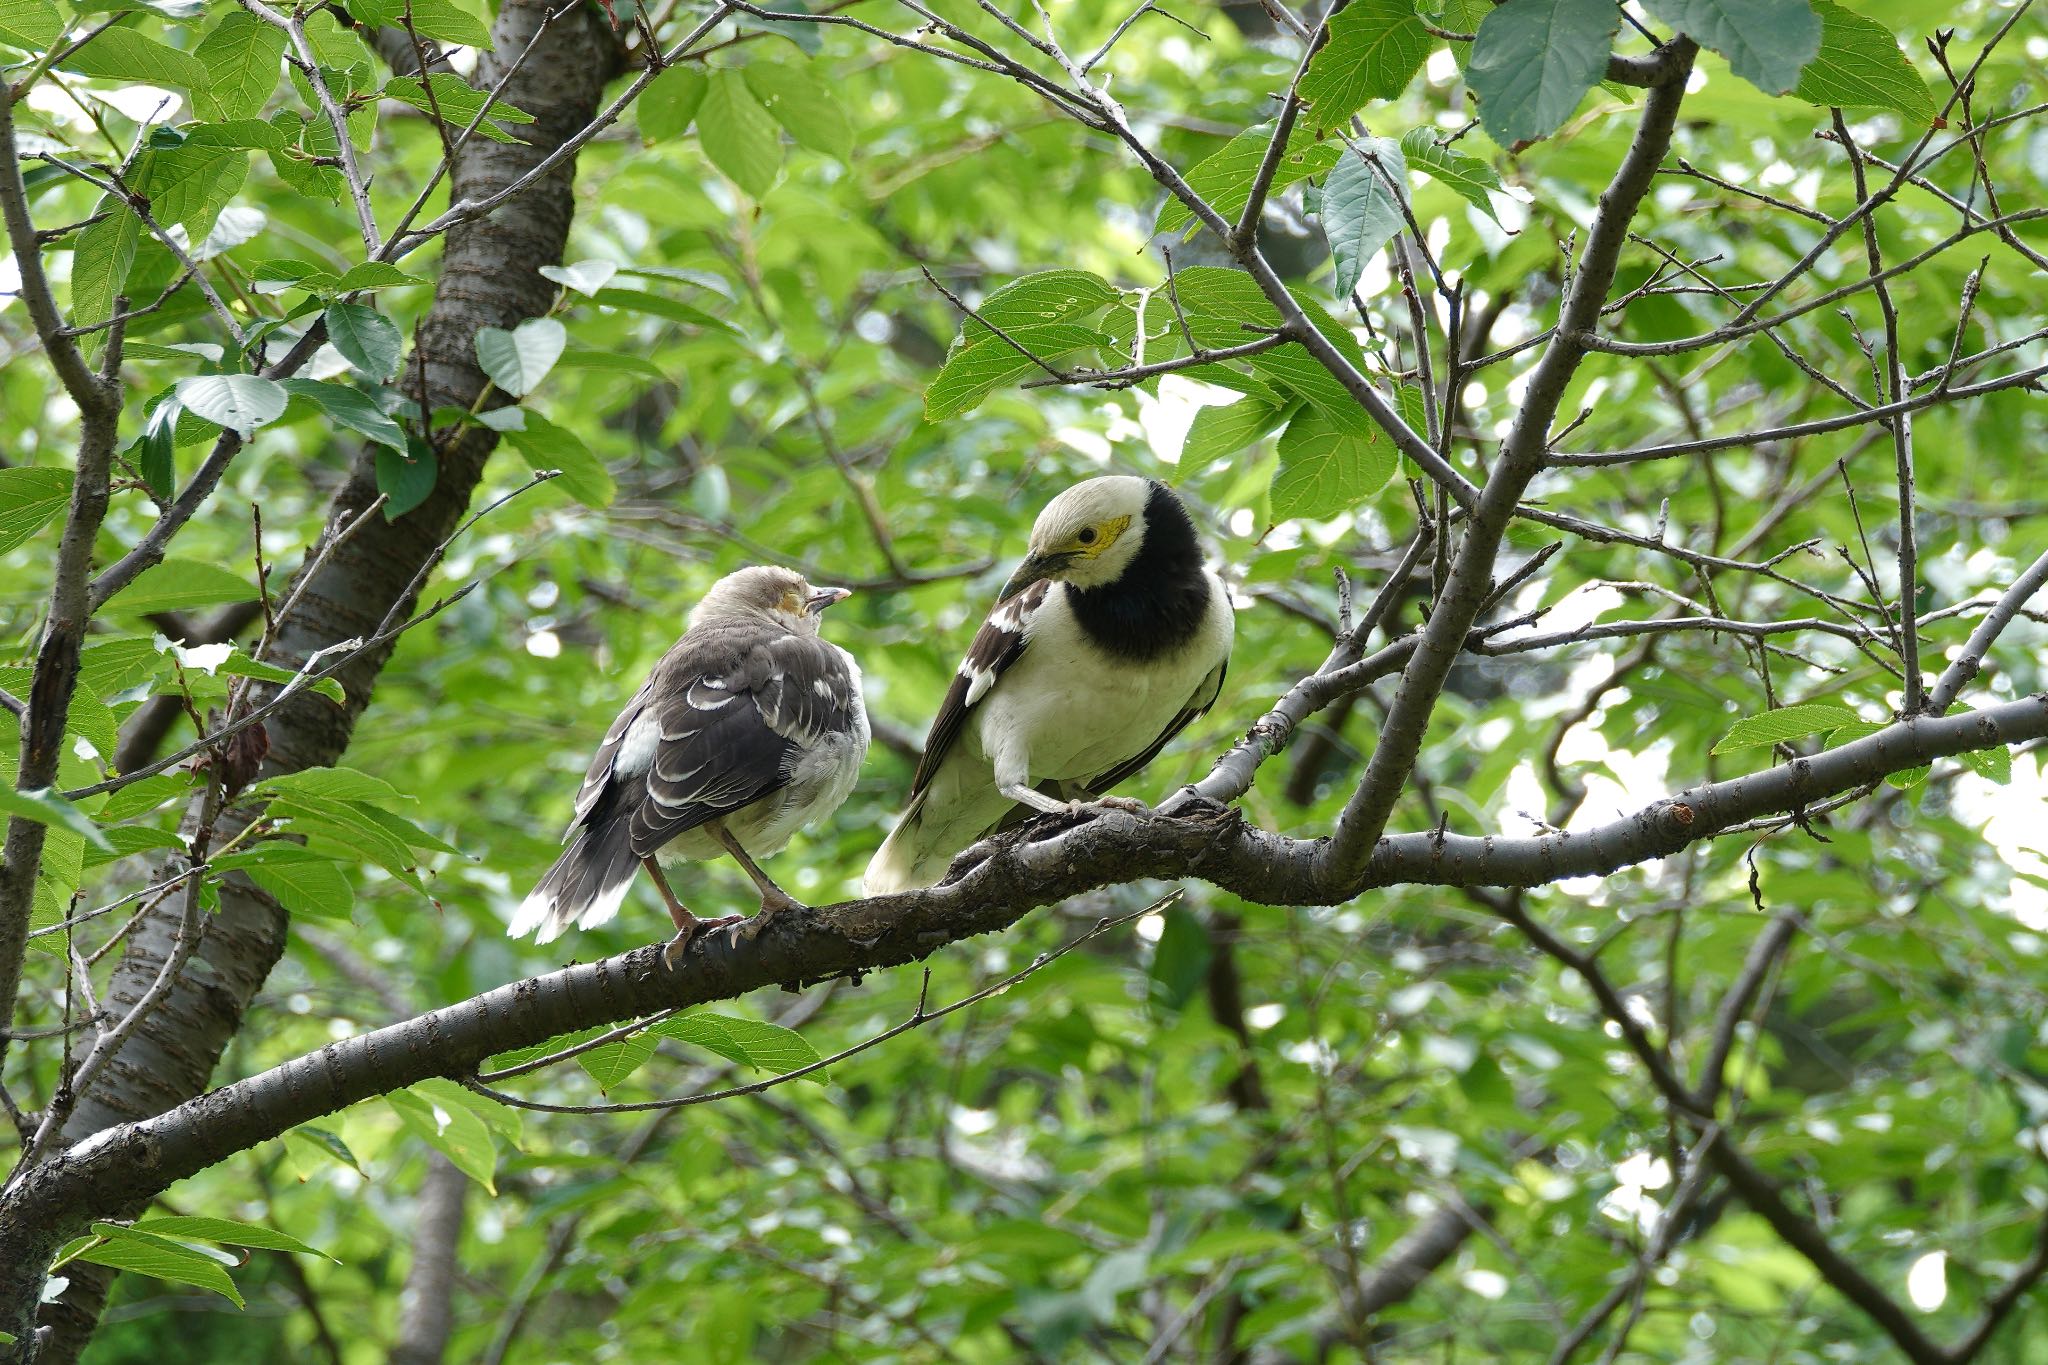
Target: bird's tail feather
{"points": [[586, 884], [931, 834]]}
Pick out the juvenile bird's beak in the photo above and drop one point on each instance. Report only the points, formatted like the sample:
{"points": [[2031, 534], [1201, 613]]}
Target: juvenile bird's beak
{"points": [[822, 598], [1034, 568]]}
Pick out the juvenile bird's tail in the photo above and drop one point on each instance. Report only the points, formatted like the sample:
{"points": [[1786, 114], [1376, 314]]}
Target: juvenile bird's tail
{"points": [[586, 884]]}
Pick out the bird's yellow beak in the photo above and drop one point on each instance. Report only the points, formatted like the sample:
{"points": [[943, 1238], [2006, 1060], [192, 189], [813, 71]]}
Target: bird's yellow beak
{"points": [[822, 598]]}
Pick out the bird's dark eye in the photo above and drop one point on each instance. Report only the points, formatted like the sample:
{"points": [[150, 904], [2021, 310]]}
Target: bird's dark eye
{"points": [[1087, 536]]}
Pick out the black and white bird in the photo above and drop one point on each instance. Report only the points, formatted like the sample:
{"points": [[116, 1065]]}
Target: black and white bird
{"points": [[749, 728], [1108, 640]]}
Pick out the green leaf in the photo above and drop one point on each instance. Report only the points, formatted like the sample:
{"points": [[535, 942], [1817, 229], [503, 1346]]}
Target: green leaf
{"points": [[978, 368], [459, 103], [352, 408], [543, 445], [1766, 42], [373, 275], [750, 1042], [611, 1063], [1362, 208], [366, 339], [157, 1257], [1787, 722], [303, 882], [31, 25], [738, 135], [518, 360], [1374, 50], [239, 402], [1218, 431], [803, 104], [190, 185], [1859, 66], [1326, 467], [1224, 179], [176, 584], [406, 477], [376, 13], [334, 784], [45, 807], [308, 1140], [1534, 59], [29, 498], [1467, 176], [229, 1232], [660, 305], [450, 22], [121, 54], [242, 56], [589, 358], [99, 266], [585, 277], [1995, 764], [1049, 296], [669, 102], [452, 1130]]}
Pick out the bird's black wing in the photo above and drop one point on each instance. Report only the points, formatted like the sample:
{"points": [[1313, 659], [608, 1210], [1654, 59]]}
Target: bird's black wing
{"points": [[718, 726], [1204, 698], [998, 644]]}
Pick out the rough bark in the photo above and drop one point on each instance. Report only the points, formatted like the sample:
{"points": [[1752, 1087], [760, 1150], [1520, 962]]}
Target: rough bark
{"points": [[488, 279]]}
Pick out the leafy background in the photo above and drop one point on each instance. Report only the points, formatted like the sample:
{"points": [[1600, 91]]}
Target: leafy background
{"points": [[747, 363]]}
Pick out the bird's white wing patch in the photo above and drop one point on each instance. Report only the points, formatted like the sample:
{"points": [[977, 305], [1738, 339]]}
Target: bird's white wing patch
{"points": [[636, 749]]}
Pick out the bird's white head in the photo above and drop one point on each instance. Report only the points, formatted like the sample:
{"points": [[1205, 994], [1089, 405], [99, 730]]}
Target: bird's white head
{"points": [[1089, 534], [766, 593]]}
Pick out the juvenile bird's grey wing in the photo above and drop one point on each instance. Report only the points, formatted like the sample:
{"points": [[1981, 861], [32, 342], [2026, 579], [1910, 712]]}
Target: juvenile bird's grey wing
{"points": [[998, 644], [1204, 698], [806, 691]]}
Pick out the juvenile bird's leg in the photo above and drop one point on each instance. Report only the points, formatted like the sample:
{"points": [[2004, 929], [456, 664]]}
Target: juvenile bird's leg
{"points": [[774, 900], [687, 924]]}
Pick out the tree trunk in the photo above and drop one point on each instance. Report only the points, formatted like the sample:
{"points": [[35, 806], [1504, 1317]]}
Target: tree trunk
{"points": [[488, 279], [426, 1308]]}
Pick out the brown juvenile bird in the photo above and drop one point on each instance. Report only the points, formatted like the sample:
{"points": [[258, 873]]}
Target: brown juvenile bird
{"points": [[750, 728]]}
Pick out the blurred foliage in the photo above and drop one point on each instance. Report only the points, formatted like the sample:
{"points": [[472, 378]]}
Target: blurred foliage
{"points": [[1071, 1168]]}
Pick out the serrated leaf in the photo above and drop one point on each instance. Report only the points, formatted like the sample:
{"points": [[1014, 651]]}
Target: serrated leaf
{"points": [[1467, 176], [611, 1063], [451, 1130], [1374, 50], [176, 584], [1995, 764], [749, 1042], [239, 402], [229, 1232], [351, 408], [406, 477], [1049, 296], [518, 360], [1218, 431], [374, 275], [1326, 467], [334, 784], [585, 277], [100, 264], [306, 1138], [1362, 207], [29, 498], [307, 884], [458, 103], [45, 807], [121, 54], [737, 134], [1785, 723], [803, 104], [669, 102], [543, 446], [978, 368], [1860, 66], [243, 57], [159, 1258], [366, 339], [31, 25], [1766, 42], [1224, 179], [660, 305], [450, 22], [1533, 60]]}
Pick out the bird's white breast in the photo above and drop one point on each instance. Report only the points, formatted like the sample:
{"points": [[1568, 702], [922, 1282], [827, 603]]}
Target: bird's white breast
{"points": [[1071, 711]]}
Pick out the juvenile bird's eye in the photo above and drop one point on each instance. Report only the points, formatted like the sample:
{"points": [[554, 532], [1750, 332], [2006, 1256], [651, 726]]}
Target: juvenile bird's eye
{"points": [[1087, 536]]}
